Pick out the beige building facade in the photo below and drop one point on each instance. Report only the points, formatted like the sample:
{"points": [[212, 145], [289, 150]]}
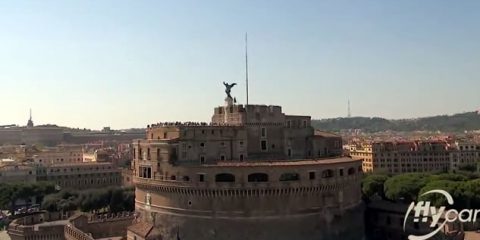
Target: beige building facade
{"points": [[465, 153], [81, 175], [10, 171], [59, 155], [395, 157]]}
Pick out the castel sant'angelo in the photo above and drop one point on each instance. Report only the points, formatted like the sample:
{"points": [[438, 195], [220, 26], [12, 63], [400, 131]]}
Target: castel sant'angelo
{"points": [[252, 173]]}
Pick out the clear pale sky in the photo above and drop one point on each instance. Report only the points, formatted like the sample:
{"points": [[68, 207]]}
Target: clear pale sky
{"points": [[131, 63]]}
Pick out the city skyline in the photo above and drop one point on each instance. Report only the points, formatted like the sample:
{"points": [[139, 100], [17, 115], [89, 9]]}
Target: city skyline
{"points": [[125, 64]]}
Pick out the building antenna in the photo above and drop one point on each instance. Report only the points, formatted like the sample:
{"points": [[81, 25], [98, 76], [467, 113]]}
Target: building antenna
{"points": [[246, 64], [30, 114], [349, 113]]}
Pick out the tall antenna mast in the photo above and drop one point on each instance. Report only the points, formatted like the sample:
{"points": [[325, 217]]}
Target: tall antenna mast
{"points": [[246, 64], [30, 114], [349, 113]]}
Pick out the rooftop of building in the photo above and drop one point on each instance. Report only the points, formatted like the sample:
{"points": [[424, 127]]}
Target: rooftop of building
{"points": [[145, 230], [325, 134], [299, 162], [189, 124], [141, 228], [81, 164]]}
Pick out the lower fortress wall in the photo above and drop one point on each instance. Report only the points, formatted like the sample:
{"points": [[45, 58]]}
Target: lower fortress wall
{"points": [[325, 225]]}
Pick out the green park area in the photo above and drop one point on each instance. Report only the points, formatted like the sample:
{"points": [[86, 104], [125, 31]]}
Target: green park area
{"points": [[113, 199], [463, 186]]}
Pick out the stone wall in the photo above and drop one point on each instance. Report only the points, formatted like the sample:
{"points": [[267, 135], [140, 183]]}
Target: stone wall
{"points": [[317, 192], [328, 224]]}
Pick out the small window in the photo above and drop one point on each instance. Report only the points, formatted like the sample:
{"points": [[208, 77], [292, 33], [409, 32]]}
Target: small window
{"points": [[224, 177], [241, 157], [264, 132], [311, 175], [264, 145], [340, 172], [289, 152], [202, 144], [222, 157], [164, 135], [201, 177], [327, 173], [202, 159], [258, 177], [213, 132], [289, 177]]}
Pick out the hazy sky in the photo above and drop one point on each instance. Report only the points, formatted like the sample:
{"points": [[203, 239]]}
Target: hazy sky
{"points": [[131, 63]]}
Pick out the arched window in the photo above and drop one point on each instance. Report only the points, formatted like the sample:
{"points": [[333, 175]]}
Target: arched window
{"points": [[290, 177], [351, 171], [327, 173], [224, 177], [258, 177]]}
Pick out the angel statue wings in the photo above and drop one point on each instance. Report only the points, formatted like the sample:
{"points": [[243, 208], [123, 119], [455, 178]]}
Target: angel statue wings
{"points": [[228, 88]]}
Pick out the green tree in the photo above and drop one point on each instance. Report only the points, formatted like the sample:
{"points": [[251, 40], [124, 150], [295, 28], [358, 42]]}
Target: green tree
{"points": [[471, 193], [448, 176], [50, 202], [452, 187], [405, 187], [373, 185]]}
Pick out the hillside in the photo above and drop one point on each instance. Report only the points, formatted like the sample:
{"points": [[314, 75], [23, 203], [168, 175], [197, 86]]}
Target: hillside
{"points": [[445, 123]]}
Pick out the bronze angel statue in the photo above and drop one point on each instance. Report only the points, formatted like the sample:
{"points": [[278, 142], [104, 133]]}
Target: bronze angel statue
{"points": [[228, 88]]}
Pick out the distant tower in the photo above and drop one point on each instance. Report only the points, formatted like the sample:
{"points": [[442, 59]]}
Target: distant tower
{"points": [[349, 113], [30, 122]]}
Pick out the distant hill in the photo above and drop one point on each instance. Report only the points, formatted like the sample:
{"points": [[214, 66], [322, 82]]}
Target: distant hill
{"points": [[445, 123]]}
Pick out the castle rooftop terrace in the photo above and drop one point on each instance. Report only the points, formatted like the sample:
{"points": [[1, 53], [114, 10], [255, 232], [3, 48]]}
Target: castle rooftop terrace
{"points": [[188, 124], [300, 162]]}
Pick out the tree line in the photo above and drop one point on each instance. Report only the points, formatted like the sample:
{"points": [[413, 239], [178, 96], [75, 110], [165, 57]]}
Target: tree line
{"points": [[463, 186], [446, 123], [12, 192], [113, 199]]}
